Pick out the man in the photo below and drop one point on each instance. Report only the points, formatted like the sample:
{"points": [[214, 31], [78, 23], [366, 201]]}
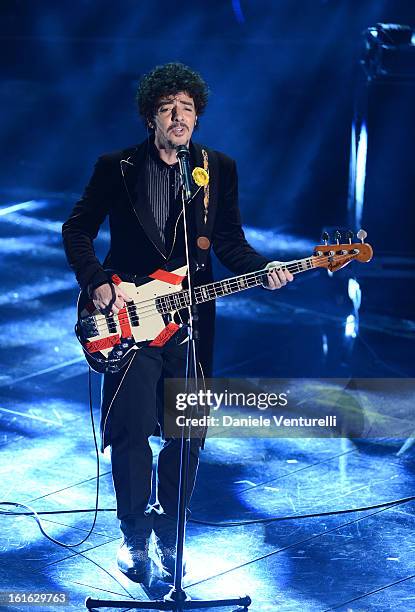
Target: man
{"points": [[139, 189]]}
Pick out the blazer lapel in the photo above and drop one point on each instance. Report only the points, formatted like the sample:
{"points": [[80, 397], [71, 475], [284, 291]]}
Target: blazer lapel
{"points": [[133, 172], [196, 159], [204, 230]]}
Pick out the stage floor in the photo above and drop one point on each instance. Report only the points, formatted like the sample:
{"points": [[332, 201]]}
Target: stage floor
{"points": [[357, 562]]}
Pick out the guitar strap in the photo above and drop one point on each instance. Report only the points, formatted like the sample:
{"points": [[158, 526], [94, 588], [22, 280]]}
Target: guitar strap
{"points": [[204, 229], [206, 187], [113, 299]]}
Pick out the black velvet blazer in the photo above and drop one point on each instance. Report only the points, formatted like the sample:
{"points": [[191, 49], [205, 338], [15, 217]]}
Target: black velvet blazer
{"points": [[117, 189]]}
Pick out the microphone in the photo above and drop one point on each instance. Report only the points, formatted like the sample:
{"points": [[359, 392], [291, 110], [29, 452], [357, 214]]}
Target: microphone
{"points": [[183, 155]]}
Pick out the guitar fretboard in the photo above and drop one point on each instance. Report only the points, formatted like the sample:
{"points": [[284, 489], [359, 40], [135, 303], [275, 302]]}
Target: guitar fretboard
{"points": [[211, 291]]}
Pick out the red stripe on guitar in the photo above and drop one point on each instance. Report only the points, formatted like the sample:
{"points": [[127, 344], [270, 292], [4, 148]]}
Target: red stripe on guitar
{"points": [[167, 277], [165, 335], [124, 323], [116, 279], [103, 343]]}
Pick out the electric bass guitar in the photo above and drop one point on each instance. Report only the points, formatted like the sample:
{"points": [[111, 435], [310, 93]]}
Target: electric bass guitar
{"points": [[152, 316]]}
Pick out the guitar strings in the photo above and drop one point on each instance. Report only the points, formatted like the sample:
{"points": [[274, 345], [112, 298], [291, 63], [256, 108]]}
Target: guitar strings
{"points": [[249, 276], [182, 297], [180, 300]]}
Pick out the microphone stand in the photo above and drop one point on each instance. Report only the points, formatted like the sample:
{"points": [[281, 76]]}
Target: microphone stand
{"points": [[177, 599]]}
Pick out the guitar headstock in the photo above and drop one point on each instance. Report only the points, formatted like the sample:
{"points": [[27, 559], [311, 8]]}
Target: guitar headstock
{"points": [[336, 256]]}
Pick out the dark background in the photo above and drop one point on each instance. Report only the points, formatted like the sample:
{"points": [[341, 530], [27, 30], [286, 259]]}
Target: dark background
{"points": [[285, 77], [287, 90], [282, 74]]}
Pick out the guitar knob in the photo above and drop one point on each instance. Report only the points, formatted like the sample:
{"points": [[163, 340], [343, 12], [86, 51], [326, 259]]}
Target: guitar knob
{"points": [[349, 236], [325, 237], [337, 236], [361, 234]]}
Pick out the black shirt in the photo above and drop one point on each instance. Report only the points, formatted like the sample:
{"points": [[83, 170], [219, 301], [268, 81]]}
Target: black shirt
{"points": [[162, 187]]}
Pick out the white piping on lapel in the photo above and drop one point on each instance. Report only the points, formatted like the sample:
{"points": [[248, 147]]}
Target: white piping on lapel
{"points": [[175, 233], [126, 161]]}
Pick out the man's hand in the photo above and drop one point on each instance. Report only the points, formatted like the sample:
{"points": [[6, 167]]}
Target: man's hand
{"points": [[109, 298], [277, 276]]}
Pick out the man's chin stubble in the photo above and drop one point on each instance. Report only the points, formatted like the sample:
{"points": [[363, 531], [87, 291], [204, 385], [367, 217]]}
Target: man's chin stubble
{"points": [[168, 144]]}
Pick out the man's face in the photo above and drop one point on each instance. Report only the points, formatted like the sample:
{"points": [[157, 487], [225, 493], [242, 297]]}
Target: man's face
{"points": [[174, 120]]}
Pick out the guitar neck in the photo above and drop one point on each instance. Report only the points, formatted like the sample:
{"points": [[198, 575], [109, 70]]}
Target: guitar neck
{"points": [[211, 291]]}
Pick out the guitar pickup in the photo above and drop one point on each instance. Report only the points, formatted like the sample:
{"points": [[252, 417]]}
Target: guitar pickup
{"points": [[112, 326], [133, 314]]}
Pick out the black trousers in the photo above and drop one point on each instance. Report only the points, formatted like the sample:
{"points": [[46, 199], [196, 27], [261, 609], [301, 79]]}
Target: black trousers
{"points": [[135, 414]]}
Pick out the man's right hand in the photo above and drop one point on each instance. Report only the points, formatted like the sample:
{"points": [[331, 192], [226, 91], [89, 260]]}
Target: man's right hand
{"points": [[103, 298]]}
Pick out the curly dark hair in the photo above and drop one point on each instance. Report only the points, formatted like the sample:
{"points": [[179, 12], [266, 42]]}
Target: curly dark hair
{"points": [[168, 80]]}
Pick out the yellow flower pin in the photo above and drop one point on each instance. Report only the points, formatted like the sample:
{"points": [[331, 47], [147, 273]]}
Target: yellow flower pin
{"points": [[200, 177]]}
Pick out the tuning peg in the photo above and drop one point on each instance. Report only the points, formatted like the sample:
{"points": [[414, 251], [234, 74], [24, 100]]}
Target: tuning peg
{"points": [[361, 234], [349, 236], [325, 237], [337, 236]]}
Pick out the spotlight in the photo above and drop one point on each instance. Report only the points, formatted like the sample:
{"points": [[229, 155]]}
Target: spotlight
{"points": [[389, 51]]}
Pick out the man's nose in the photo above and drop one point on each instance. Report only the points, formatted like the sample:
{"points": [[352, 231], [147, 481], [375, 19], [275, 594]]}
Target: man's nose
{"points": [[176, 113]]}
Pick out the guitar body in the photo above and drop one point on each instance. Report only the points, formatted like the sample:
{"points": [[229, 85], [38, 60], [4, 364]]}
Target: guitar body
{"points": [[109, 341], [152, 316]]}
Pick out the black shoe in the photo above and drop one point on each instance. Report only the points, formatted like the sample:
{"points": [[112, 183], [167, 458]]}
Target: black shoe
{"points": [[165, 548], [133, 559]]}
